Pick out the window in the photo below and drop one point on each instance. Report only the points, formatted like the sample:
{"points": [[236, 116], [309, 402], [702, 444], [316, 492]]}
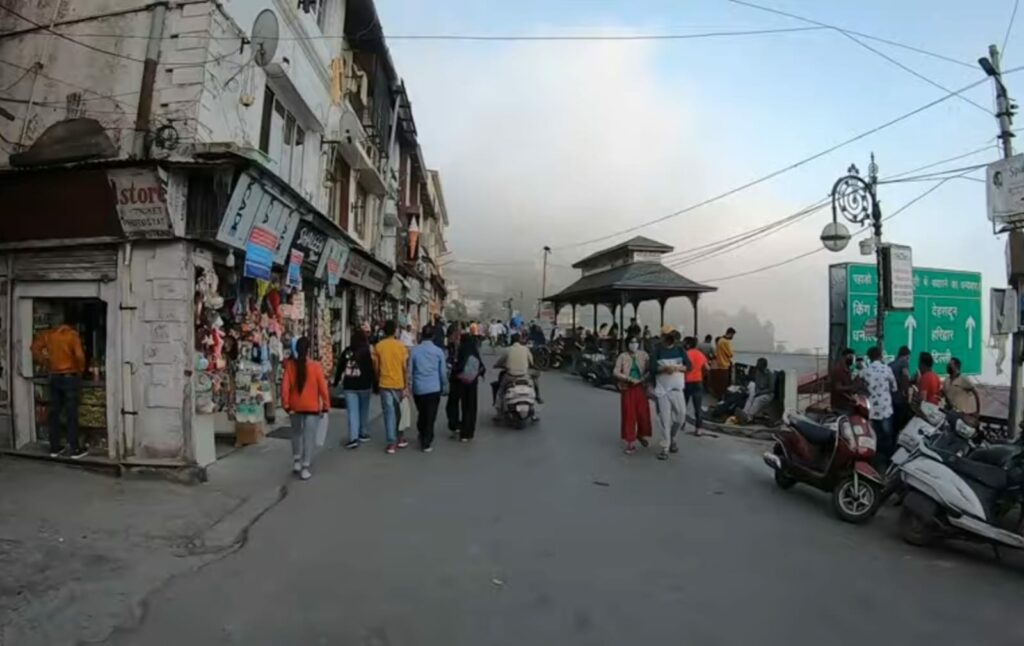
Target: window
{"points": [[282, 139], [359, 214]]}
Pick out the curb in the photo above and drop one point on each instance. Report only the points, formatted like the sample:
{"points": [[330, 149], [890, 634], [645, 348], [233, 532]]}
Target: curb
{"points": [[232, 530]]}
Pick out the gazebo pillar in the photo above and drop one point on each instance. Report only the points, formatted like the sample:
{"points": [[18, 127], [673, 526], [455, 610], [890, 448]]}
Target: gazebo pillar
{"points": [[595, 318], [661, 303], [694, 298], [622, 323], [574, 319]]}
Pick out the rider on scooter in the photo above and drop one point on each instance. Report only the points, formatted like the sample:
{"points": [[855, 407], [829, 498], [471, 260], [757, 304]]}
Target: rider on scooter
{"points": [[517, 361]]}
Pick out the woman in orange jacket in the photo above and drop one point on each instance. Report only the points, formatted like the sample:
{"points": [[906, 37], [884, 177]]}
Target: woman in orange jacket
{"points": [[305, 397]]}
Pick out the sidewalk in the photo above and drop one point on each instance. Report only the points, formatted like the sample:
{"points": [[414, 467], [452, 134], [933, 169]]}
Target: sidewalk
{"points": [[80, 551]]}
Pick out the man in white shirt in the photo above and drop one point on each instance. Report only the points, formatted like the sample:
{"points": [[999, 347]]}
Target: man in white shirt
{"points": [[881, 385], [496, 330], [407, 338]]}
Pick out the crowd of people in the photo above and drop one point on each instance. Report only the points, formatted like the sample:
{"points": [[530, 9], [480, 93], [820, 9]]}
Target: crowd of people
{"points": [[395, 364], [894, 391]]}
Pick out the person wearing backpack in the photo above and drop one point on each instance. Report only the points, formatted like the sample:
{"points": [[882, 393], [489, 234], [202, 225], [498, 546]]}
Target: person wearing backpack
{"points": [[467, 371], [358, 379]]}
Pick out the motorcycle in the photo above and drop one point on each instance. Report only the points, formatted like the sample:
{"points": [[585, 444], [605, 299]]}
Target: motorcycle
{"points": [[541, 356], [969, 497], [557, 353], [600, 371], [833, 457], [517, 405]]}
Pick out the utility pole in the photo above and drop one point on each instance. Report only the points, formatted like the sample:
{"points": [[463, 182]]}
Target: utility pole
{"points": [[1004, 114], [543, 281]]}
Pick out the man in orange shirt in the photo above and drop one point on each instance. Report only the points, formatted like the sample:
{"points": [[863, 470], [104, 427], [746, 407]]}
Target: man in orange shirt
{"points": [[694, 388], [929, 385], [60, 349]]}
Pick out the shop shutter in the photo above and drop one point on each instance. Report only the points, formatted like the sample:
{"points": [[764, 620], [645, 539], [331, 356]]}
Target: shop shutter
{"points": [[83, 263]]}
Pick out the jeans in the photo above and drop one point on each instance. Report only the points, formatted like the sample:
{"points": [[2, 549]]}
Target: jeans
{"points": [[357, 404], [884, 433], [426, 416], [695, 395], [304, 437], [65, 393], [390, 402]]}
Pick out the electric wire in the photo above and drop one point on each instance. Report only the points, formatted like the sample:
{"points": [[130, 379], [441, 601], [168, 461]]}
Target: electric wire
{"points": [[1009, 26]]}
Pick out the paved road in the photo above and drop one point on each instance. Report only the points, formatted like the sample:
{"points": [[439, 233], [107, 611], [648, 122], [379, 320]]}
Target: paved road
{"points": [[510, 540]]}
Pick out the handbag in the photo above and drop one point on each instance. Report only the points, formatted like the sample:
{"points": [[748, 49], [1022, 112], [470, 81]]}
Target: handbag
{"points": [[470, 371], [403, 408], [321, 429]]}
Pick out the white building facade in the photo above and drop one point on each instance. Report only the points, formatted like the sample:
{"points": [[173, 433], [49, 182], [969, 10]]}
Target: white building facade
{"points": [[193, 184]]}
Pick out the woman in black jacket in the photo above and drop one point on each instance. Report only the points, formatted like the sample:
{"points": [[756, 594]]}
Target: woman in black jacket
{"points": [[358, 378], [466, 373]]}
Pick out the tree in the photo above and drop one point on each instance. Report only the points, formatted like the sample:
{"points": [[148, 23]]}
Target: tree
{"points": [[456, 311]]}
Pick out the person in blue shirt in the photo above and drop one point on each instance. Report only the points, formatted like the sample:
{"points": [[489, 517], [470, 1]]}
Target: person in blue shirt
{"points": [[429, 376]]}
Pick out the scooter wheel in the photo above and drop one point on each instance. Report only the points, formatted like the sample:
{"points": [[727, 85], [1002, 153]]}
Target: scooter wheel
{"points": [[856, 499], [914, 529], [784, 481], [519, 423]]}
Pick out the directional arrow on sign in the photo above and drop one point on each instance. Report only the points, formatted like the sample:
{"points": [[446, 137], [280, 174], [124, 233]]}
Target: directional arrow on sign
{"points": [[969, 324], [910, 324]]}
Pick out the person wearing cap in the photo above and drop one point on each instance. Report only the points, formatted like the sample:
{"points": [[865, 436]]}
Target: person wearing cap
{"points": [[669, 365]]}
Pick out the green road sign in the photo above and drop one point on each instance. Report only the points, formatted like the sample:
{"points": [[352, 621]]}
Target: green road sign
{"points": [[946, 319]]}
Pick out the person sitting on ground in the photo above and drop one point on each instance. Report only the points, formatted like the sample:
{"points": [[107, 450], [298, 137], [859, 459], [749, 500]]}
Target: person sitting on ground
{"points": [[760, 391]]}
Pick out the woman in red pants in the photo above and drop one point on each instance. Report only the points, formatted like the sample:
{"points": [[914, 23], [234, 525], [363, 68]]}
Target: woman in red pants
{"points": [[631, 370]]}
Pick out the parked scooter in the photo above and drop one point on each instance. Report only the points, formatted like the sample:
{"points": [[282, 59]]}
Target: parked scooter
{"points": [[600, 371], [834, 457], [950, 495]]}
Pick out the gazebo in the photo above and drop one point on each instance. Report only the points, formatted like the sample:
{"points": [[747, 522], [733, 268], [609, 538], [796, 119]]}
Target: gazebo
{"points": [[630, 273]]}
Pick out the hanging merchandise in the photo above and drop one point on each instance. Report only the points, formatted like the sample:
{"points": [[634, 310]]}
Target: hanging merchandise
{"points": [[295, 269]]}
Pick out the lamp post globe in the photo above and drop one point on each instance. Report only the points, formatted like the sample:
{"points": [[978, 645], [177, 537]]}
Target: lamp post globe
{"points": [[835, 236]]}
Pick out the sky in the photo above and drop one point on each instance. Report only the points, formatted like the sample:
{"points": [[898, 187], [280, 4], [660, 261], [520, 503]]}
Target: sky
{"points": [[556, 143]]}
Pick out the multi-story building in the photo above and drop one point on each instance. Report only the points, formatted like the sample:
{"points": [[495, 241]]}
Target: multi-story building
{"points": [[192, 184]]}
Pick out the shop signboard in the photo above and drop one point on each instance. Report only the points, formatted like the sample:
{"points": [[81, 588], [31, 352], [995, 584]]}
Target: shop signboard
{"points": [[259, 253], [945, 320], [295, 269], [312, 243], [255, 203], [361, 271], [140, 199], [332, 261], [1004, 184]]}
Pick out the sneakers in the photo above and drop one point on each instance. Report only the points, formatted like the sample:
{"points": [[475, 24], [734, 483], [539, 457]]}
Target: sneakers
{"points": [[428, 449], [390, 449], [663, 455], [305, 474], [79, 454], [464, 439], [403, 443], [364, 438], [673, 448], [644, 443], [630, 449], [296, 466], [60, 453], [353, 444]]}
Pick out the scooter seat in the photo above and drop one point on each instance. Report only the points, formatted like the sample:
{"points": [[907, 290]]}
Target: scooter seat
{"points": [[813, 432], [1001, 455], [988, 475]]}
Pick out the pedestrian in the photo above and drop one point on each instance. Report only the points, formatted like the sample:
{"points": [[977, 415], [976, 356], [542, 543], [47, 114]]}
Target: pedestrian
{"points": [[631, 369], [841, 385], [428, 373], [358, 380], [900, 368], [60, 349], [881, 385], [959, 390], [720, 377], [466, 374], [393, 384], [407, 337], [633, 329], [306, 398], [669, 365], [929, 386], [707, 347], [694, 389]]}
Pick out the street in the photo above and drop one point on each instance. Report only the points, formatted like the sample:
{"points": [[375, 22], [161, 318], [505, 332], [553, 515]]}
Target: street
{"points": [[552, 536]]}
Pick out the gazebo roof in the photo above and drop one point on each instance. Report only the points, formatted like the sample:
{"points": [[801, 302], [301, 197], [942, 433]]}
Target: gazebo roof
{"points": [[638, 281], [637, 243]]}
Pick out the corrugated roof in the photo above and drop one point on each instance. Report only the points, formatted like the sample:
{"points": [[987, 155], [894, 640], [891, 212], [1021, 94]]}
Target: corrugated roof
{"points": [[644, 281]]}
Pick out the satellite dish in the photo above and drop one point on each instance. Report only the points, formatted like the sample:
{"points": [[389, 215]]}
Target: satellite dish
{"points": [[265, 32]]}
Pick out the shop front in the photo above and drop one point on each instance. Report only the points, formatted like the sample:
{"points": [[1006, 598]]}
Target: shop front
{"points": [[366, 279]]}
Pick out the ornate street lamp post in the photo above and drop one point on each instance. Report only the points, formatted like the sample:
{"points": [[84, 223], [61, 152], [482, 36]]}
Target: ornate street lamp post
{"points": [[856, 199]]}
